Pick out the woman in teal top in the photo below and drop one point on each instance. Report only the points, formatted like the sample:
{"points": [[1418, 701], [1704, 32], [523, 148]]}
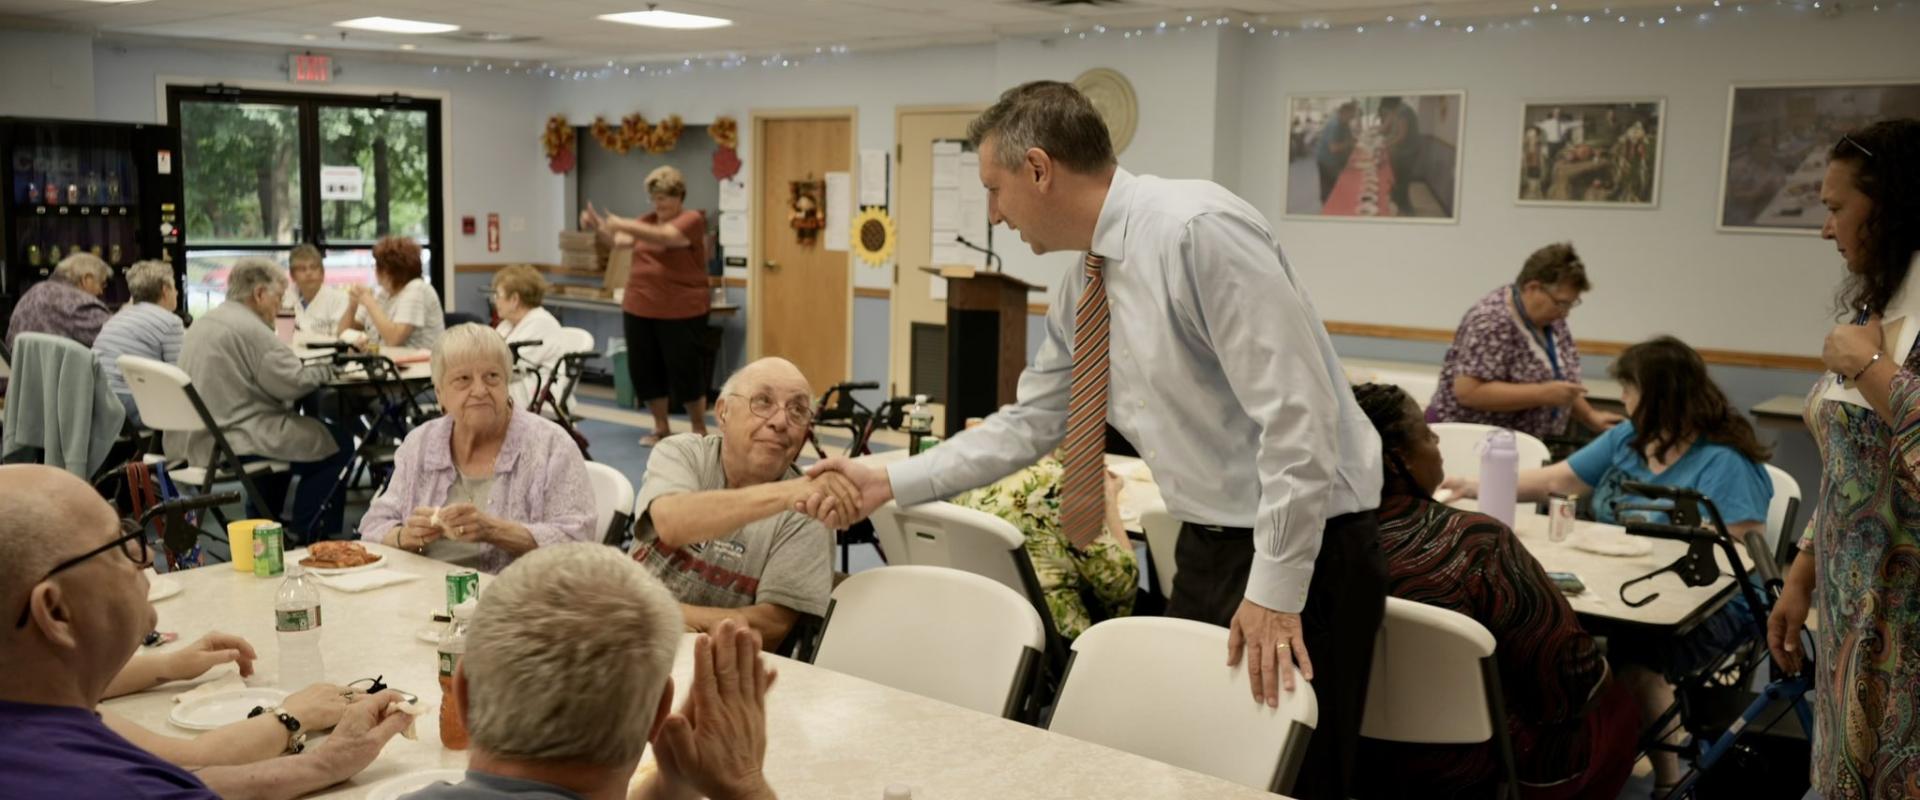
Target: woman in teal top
{"points": [[1681, 432]]}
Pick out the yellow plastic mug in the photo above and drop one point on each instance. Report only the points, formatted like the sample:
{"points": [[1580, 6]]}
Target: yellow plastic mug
{"points": [[240, 541]]}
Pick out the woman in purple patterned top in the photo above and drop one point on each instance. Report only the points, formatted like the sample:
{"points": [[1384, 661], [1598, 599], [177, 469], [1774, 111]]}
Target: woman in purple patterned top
{"points": [[1513, 362], [486, 481]]}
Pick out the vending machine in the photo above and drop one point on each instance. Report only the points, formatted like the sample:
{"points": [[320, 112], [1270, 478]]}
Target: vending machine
{"points": [[112, 189]]}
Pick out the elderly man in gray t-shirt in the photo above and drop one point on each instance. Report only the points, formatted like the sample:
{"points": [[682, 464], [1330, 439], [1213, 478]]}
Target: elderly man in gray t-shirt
{"points": [[717, 519]]}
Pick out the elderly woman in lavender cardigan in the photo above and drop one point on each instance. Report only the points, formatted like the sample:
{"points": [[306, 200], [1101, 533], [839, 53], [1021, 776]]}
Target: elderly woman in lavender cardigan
{"points": [[500, 479]]}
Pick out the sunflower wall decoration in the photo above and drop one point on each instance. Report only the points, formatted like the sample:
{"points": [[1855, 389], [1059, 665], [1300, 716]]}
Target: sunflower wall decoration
{"points": [[873, 235], [558, 142]]}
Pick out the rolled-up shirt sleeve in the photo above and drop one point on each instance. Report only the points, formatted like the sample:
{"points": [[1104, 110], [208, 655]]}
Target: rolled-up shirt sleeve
{"points": [[1258, 326], [1013, 437]]}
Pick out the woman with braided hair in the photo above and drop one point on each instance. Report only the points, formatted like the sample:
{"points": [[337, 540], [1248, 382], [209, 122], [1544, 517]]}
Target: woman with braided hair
{"points": [[1573, 728]]}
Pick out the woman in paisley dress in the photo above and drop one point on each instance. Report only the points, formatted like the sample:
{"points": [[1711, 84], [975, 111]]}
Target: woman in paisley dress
{"points": [[1859, 563]]}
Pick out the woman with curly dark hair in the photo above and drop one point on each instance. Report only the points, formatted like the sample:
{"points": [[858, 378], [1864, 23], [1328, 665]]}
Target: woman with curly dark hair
{"points": [[1860, 561], [1573, 728]]}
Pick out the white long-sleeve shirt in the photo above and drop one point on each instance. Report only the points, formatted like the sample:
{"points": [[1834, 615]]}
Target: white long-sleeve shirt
{"points": [[1221, 375], [539, 325]]}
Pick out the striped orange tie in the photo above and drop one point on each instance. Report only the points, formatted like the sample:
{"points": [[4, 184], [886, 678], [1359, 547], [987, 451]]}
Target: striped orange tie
{"points": [[1082, 486]]}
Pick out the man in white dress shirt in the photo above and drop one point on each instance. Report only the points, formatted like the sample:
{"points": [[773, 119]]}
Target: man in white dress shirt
{"points": [[316, 307], [1219, 373]]}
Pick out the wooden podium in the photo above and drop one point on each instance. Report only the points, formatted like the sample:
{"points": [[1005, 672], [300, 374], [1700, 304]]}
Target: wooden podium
{"points": [[986, 340]]}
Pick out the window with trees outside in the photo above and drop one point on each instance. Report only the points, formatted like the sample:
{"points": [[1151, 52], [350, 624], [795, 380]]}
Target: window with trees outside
{"points": [[265, 171]]}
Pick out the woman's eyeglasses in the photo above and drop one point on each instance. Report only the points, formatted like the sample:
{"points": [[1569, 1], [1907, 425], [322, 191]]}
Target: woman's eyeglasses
{"points": [[132, 543]]}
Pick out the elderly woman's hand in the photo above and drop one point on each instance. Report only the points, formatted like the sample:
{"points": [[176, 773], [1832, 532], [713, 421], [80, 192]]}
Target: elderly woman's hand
{"points": [[418, 531]]}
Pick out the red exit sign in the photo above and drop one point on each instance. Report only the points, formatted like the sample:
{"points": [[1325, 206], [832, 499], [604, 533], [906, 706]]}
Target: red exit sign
{"points": [[309, 68]]}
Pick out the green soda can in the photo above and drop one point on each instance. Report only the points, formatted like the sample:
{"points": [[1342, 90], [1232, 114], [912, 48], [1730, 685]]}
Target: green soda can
{"points": [[269, 550], [462, 585]]}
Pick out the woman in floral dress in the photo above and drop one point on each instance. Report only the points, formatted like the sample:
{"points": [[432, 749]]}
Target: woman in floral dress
{"points": [[1859, 564], [1081, 586]]}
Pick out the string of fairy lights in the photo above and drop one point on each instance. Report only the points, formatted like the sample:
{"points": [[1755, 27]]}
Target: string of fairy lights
{"points": [[1528, 16]]}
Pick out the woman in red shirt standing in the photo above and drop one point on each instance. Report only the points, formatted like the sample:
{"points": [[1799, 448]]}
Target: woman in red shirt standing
{"points": [[666, 300]]}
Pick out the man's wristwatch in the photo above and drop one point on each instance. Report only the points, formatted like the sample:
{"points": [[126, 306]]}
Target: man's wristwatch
{"points": [[296, 738]]}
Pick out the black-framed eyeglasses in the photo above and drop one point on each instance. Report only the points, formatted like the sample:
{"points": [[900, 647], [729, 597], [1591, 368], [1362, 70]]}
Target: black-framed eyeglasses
{"points": [[799, 412], [132, 543], [1856, 145]]}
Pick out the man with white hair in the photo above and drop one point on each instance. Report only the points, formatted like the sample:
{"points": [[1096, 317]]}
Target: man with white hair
{"points": [[249, 381], [67, 303], [146, 327], [77, 580], [576, 621], [717, 519]]}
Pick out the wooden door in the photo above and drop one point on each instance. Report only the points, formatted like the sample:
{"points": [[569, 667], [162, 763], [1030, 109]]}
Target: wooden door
{"points": [[800, 295], [917, 129]]}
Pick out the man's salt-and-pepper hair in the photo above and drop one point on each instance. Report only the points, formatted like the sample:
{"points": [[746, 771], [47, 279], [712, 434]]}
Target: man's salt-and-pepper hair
{"points": [[568, 655], [148, 280], [79, 266], [469, 342], [250, 274], [1049, 115]]}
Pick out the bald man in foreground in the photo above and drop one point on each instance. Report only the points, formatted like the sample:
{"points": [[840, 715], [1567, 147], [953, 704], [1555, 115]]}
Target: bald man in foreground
{"points": [[716, 520], [72, 581]]}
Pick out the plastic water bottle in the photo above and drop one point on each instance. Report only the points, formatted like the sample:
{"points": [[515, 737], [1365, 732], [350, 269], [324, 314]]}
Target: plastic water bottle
{"points": [[919, 423], [453, 645], [296, 618], [1499, 475]]}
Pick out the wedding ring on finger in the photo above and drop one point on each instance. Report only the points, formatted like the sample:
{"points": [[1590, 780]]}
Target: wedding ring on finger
{"points": [[1283, 646]]}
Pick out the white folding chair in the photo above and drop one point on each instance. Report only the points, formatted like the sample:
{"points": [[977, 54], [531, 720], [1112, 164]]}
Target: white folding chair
{"points": [[1460, 447], [1163, 536], [1435, 681], [575, 346], [613, 502], [938, 632], [168, 402], [1782, 514], [941, 534], [1158, 687]]}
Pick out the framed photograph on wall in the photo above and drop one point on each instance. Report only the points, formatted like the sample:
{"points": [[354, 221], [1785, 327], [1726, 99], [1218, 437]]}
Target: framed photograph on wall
{"points": [[1778, 136], [1379, 156], [1591, 153]]}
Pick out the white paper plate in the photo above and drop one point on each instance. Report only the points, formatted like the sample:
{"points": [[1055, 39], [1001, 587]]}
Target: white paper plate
{"points": [[393, 788], [295, 556], [161, 587], [211, 711]]}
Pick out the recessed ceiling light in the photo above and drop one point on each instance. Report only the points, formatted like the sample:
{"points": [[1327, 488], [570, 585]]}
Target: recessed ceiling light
{"points": [[391, 25], [655, 18], [309, 37], [117, 2], [407, 46]]}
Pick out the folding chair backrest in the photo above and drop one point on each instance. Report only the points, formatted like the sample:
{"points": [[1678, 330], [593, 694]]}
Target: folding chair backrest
{"points": [[1460, 447], [1428, 683], [1163, 537], [1782, 514], [163, 393], [941, 534], [1121, 692], [936, 632], [6, 371], [612, 499]]}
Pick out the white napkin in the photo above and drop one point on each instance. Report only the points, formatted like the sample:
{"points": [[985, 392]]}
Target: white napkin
{"points": [[228, 683], [365, 581]]}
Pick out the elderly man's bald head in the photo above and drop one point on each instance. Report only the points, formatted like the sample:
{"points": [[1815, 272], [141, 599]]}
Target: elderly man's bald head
{"points": [[769, 370], [50, 516]]}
